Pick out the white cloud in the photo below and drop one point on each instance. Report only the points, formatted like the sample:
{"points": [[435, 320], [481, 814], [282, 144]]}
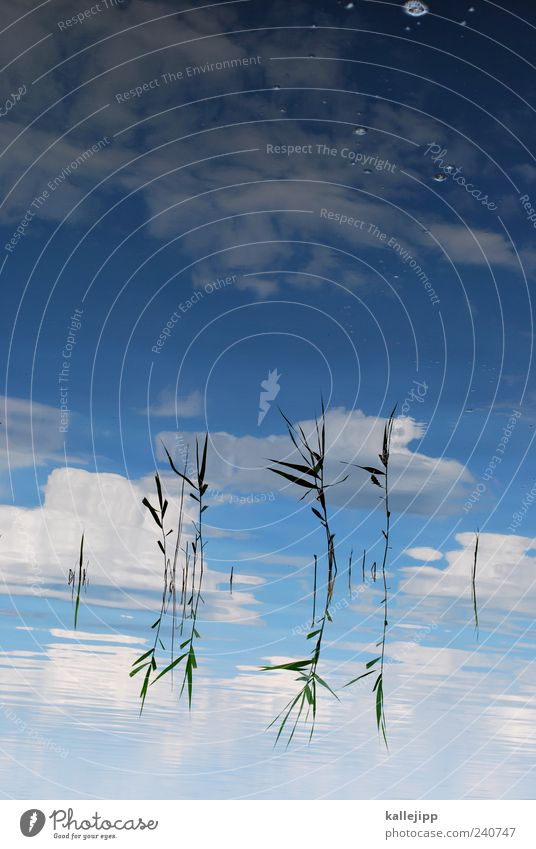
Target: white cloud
{"points": [[40, 545], [424, 553], [475, 246], [89, 637], [420, 483], [505, 574], [30, 434]]}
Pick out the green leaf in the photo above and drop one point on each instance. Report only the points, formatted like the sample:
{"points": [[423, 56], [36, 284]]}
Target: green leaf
{"points": [[319, 515], [326, 685], [180, 474], [159, 489], [168, 668], [154, 514], [297, 481], [135, 671], [142, 658], [294, 666], [372, 662], [77, 605], [189, 674], [359, 677], [379, 703], [204, 460], [143, 691], [298, 467]]}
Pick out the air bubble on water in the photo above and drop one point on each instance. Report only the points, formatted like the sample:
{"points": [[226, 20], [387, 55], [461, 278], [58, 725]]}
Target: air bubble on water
{"points": [[463, 23], [415, 8], [283, 111], [471, 9], [367, 171], [439, 178], [360, 131], [349, 6], [277, 87]]}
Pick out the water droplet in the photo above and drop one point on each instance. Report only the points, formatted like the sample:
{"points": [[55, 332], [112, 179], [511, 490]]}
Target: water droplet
{"points": [[277, 87], [471, 9], [439, 178], [360, 131], [283, 111], [349, 6], [367, 171], [311, 55], [463, 23], [415, 8], [449, 169]]}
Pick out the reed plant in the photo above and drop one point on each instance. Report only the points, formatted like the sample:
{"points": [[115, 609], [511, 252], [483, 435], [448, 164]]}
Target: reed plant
{"points": [[148, 662], [194, 569], [380, 478], [78, 580], [473, 583], [309, 476]]}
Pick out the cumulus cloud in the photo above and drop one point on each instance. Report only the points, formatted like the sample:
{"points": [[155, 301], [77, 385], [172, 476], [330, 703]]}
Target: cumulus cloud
{"points": [[506, 572], [40, 545], [424, 553], [420, 483]]}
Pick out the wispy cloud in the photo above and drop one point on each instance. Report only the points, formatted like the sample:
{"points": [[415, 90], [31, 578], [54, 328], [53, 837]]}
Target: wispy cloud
{"points": [[169, 404]]}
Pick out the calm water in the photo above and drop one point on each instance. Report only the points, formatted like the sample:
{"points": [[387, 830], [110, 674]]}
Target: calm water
{"points": [[460, 716], [208, 213]]}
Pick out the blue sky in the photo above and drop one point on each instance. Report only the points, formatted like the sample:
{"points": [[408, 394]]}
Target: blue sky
{"points": [[225, 225]]}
